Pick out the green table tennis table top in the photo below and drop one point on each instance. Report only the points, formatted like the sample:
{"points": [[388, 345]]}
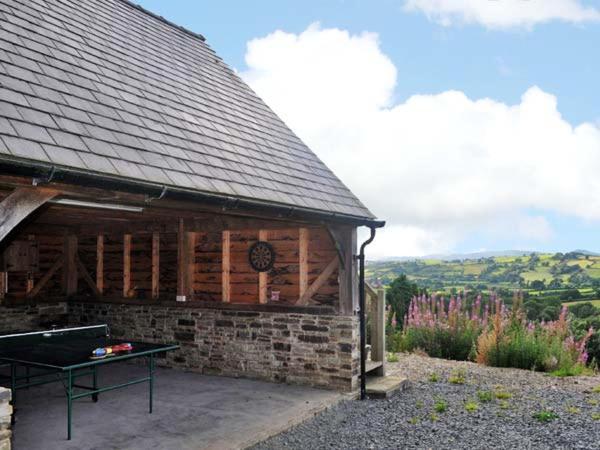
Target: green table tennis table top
{"points": [[69, 348]]}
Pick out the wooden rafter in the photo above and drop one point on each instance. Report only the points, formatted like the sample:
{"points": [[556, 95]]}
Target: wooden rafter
{"points": [[19, 204], [320, 281]]}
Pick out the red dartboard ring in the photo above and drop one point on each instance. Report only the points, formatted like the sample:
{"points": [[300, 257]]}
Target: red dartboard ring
{"points": [[261, 256]]}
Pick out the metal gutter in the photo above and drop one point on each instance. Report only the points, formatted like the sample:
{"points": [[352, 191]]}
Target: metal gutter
{"points": [[43, 173]]}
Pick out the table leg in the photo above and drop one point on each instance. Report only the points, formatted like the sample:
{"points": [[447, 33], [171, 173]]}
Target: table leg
{"points": [[69, 402], [95, 384], [13, 390], [27, 373], [151, 381]]}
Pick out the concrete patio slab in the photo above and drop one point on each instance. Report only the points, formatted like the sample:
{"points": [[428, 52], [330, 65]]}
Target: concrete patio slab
{"points": [[191, 411]]}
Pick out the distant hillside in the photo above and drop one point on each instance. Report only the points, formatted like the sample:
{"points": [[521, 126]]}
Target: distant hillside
{"points": [[511, 270]]}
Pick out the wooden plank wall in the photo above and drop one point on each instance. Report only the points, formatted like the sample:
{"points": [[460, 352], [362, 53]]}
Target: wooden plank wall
{"points": [[207, 275]]}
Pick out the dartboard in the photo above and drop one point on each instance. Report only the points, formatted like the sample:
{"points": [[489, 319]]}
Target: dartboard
{"points": [[261, 256]]}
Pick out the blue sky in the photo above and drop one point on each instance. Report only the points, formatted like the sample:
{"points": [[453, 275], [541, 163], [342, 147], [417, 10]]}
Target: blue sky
{"points": [[560, 56]]}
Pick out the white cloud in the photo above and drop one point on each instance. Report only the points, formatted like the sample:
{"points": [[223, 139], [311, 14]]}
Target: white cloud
{"points": [[437, 167], [504, 13]]}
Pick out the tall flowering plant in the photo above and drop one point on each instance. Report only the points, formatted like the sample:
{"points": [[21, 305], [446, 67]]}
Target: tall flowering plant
{"points": [[446, 328], [511, 341]]}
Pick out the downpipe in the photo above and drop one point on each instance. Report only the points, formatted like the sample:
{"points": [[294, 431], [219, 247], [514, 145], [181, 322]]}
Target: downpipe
{"points": [[362, 315]]}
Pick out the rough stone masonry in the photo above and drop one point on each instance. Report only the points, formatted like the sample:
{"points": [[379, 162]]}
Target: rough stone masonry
{"points": [[5, 417], [315, 350]]}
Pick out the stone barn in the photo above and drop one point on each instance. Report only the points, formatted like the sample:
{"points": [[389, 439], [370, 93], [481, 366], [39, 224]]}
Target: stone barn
{"points": [[144, 185]]}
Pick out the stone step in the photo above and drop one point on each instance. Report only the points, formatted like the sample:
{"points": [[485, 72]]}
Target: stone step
{"points": [[384, 387]]}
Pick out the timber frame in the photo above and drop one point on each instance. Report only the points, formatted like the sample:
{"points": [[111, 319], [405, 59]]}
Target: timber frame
{"points": [[171, 251]]}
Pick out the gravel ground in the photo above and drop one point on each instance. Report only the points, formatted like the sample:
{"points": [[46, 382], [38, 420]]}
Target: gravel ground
{"points": [[409, 419]]}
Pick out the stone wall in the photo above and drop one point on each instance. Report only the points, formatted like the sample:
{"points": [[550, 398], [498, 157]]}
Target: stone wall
{"points": [[5, 416], [30, 316], [315, 350]]}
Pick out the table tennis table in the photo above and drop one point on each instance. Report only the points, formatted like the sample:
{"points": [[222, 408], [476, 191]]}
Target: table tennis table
{"points": [[65, 355]]}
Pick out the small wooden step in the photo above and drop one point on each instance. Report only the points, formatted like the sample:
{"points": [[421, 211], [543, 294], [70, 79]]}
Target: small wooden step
{"points": [[384, 387], [372, 365]]}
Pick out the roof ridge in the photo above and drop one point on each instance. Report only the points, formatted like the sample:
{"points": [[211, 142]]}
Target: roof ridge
{"points": [[163, 20]]}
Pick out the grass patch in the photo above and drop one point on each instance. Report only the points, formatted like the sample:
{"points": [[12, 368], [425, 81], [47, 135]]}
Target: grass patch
{"points": [[434, 377], [419, 404], [504, 404], [392, 358], [595, 416], [545, 416], [440, 405], [414, 420], [485, 396], [596, 390], [503, 395], [573, 371], [573, 410], [592, 401], [471, 406], [458, 377]]}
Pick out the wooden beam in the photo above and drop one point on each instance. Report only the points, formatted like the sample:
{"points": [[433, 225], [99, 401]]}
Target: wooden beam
{"points": [[69, 265], [155, 265], [100, 263], [320, 281], [263, 277], [127, 266], [30, 279], [226, 266], [87, 277], [19, 204], [303, 239], [47, 276]]}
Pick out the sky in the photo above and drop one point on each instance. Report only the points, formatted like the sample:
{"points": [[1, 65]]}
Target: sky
{"points": [[468, 125]]}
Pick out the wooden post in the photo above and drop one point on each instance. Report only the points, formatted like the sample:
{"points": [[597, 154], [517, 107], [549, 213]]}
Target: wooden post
{"points": [[181, 269], [3, 285], [70, 274], [127, 266], [303, 239], [30, 277], [226, 265], [100, 263], [378, 331], [263, 235], [190, 262], [155, 265], [348, 273]]}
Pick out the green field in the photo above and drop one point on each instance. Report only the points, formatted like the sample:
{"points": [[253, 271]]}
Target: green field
{"points": [[539, 274], [596, 303]]}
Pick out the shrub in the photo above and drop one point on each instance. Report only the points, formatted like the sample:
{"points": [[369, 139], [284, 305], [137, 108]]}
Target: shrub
{"points": [[443, 329]]}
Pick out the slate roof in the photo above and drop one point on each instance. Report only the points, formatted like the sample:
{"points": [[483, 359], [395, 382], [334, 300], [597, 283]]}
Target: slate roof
{"points": [[105, 87]]}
